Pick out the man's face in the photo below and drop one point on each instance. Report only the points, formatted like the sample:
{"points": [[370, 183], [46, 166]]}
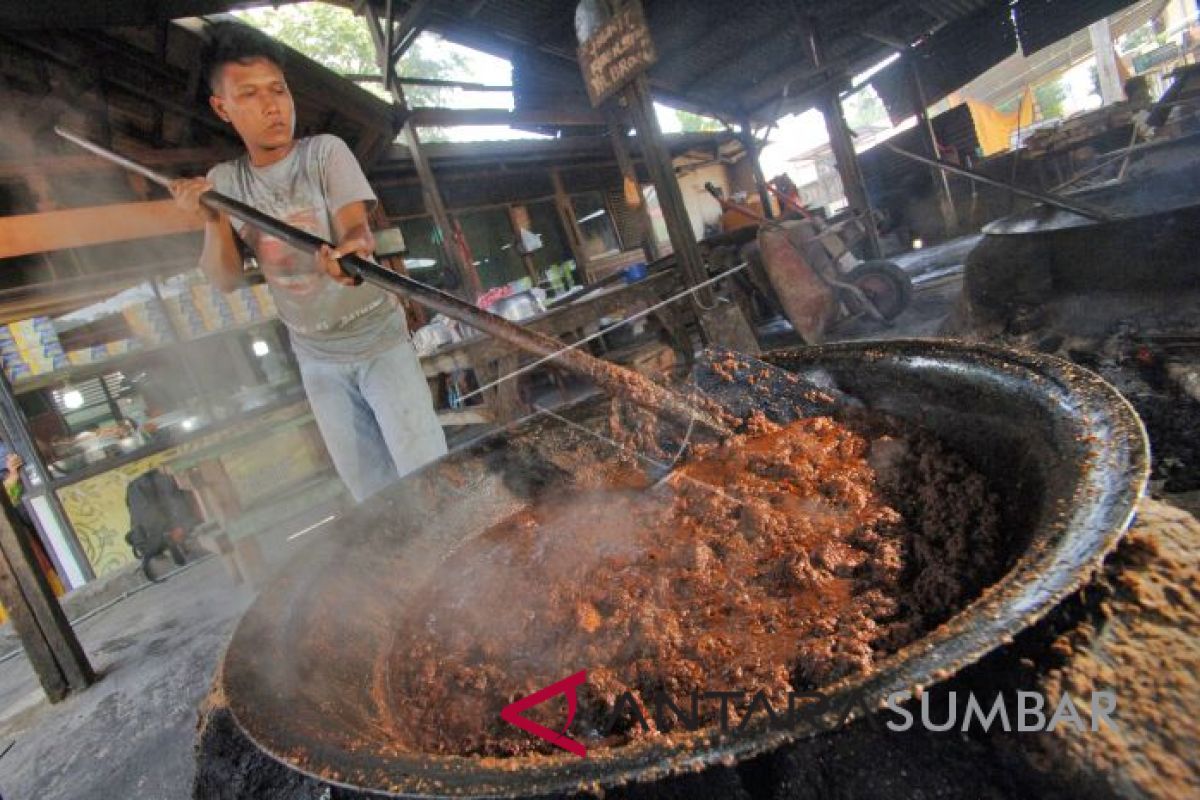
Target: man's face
{"points": [[254, 97]]}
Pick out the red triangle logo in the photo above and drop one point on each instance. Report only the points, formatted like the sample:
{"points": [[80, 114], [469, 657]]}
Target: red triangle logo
{"points": [[567, 686]]}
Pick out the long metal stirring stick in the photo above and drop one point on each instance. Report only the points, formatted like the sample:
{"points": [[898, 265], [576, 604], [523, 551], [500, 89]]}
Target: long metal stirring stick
{"points": [[1074, 206], [609, 377]]}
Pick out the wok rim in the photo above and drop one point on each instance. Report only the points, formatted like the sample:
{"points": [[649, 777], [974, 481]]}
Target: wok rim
{"points": [[979, 628]]}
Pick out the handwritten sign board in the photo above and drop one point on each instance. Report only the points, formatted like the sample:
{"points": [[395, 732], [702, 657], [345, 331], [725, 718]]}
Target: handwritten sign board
{"points": [[615, 54]]}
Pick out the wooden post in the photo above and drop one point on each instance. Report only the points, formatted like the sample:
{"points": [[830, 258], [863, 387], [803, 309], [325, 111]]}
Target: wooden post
{"points": [[941, 179], [848, 167], [414, 313], [437, 210], [566, 216], [518, 219], [430, 193], [722, 322], [760, 180], [662, 173], [632, 186], [37, 649], [1107, 75], [51, 644]]}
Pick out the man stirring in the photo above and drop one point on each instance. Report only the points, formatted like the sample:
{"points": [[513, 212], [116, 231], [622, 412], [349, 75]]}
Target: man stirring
{"points": [[360, 372]]}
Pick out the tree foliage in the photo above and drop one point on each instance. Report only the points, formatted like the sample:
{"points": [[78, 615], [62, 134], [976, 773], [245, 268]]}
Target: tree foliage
{"points": [[697, 123], [1050, 97], [1145, 35], [864, 110], [335, 38]]}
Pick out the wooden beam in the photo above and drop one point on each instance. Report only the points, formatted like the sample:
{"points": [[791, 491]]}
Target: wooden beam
{"points": [[760, 180], [104, 14], [566, 217], [670, 198], [465, 271], [617, 128], [409, 28], [439, 83], [28, 168], [37, 649], [69, 660], [389, 33], [25, 234], [451, 117], [471, 33], [382, 44], [465, 85], [549, 151], [940, 177], [518, 218], [848, 167], [441, 219]]}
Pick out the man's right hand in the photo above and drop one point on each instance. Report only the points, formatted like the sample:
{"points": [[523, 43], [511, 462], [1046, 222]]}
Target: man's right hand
{"points": [[187, 191]]}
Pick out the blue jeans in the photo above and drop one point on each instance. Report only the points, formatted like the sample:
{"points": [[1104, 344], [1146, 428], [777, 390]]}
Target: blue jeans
{"points": [[376, 417]]}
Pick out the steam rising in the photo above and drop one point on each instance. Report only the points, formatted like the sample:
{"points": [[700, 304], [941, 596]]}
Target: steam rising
{"points": [[56, 176]]}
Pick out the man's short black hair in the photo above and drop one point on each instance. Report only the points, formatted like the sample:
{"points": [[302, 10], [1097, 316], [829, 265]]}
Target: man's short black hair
{"points": [[232, 42]]}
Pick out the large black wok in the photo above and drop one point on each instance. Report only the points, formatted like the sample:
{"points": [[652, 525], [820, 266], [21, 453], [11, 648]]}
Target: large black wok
{"points": [[1031, 258], [1064, 450]]}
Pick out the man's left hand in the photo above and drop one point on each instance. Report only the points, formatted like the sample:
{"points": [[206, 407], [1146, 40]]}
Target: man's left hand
{"points": [[328, 257]]}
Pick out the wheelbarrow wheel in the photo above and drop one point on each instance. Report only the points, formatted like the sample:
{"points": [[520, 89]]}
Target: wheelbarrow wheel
{"points": [[885, 284]]}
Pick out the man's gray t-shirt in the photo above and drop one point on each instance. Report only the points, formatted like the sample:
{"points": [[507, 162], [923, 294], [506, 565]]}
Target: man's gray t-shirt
{"points": [[318, 177]]}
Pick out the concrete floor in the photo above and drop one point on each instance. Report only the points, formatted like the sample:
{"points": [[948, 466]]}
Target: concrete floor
{"points": [[131, 735]]}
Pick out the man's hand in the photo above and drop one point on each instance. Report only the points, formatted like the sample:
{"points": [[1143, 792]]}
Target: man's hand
{"points": [[187, 191], [328, 257]]}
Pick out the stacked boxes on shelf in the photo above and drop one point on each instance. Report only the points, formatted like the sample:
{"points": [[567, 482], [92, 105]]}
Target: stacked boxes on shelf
{"points": [[210, 304], [30, 347], [184, 314], [148, 322], [100, 352], [262, 293], [202, 309], [245, 305]]}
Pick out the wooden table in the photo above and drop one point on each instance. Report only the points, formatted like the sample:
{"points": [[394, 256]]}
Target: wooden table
{"points": [[489, 358]]}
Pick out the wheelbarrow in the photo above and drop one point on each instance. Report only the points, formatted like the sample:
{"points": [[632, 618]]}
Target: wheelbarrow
{"points": [[806, 267]]}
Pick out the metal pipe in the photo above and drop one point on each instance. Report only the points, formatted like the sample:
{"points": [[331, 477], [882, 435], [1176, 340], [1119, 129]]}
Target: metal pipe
{"points": [[1082, 209], [613, 379]]}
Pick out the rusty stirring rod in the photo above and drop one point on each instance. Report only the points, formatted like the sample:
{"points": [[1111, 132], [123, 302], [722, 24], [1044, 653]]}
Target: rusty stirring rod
{"points": [[611, 378]]}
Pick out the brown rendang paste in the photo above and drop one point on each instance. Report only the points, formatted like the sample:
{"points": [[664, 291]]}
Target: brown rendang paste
{"points": [[781, 560]]}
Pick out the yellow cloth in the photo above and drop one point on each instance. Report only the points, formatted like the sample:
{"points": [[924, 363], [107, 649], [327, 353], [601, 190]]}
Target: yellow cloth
{"points": [[994, 129]]}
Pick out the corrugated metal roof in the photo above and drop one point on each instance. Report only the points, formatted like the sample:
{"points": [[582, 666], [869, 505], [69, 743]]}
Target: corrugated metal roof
{"points": [[964, 49], [733, 58], [1020, 70], [1041, 23], [729, 57]]}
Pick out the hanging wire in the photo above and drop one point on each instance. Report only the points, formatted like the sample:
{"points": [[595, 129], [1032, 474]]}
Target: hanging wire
{"points": [[630, 319], [652, 461]]}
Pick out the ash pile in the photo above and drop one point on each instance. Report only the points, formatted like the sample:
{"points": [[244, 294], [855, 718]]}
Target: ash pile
{"points": [[1147, 345]]}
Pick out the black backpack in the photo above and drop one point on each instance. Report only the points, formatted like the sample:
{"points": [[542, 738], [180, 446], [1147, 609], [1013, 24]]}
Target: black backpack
{"points": [[157, 505]]}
